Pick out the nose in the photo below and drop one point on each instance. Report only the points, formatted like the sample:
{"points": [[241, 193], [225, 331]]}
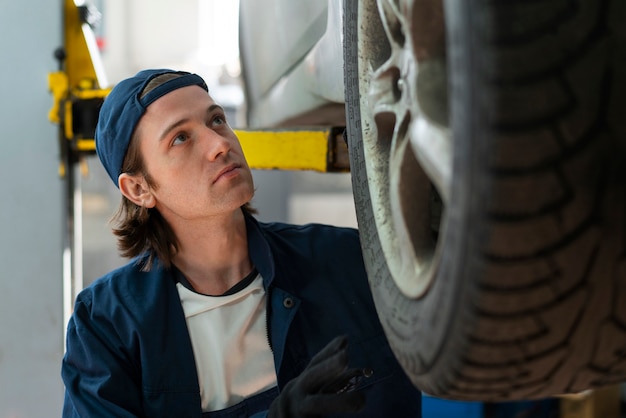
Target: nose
{"points": [[216, 145]]}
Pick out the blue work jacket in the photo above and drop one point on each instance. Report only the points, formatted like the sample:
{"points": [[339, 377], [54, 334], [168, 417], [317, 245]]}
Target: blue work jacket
{"points": [[129, 353]]}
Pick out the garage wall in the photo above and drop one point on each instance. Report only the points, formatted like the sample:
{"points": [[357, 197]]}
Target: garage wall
{"points": [[147, 34], [31, 326]]}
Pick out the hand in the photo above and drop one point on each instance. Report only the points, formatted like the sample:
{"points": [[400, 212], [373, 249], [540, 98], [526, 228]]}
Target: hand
{"points": [[322, 388]]}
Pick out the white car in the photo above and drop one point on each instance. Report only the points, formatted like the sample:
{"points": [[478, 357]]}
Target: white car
{"points": [[487, 144]]}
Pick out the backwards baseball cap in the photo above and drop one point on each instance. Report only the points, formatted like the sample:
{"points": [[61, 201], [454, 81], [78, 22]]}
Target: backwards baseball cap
{"points": [[123, 108]]}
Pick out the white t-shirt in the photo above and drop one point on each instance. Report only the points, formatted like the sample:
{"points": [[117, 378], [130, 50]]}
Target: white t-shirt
{"points": [[230, 344]]}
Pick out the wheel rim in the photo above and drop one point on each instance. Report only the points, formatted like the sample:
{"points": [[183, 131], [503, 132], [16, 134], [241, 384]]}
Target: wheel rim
{"points": [[406, 140]]}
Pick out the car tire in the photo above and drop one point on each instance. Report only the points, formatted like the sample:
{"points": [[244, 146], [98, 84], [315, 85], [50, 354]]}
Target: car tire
{"points": [[487, 148]]}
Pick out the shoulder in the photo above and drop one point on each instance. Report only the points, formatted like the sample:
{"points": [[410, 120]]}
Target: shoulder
{"points": [[310, 232], [125, 286], [314, 243]]}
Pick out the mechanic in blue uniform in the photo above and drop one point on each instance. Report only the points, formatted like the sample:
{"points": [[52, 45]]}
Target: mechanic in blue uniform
{"points": [[218, 314]]}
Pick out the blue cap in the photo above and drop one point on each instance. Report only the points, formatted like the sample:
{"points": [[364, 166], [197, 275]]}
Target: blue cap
{"points": [[122, 109]]}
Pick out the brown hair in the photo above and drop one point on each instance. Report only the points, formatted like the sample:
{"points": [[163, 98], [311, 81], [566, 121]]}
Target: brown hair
{"points": [[142, 230]]}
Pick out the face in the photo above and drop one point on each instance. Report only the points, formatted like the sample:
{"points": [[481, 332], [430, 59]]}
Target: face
{"points": [[193, 157]]}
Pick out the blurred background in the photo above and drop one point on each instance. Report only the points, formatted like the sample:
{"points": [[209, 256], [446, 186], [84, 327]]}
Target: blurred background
{"points": [[193, 35]]}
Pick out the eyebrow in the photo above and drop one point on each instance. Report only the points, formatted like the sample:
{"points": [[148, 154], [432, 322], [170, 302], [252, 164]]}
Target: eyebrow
{"points": [[179, 122]]}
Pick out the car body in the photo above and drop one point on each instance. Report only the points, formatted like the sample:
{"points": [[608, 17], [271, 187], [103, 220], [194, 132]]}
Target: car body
{"points": [[293, 73]]}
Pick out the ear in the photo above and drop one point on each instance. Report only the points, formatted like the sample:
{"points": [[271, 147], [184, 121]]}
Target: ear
{"points": [[136, 189]]}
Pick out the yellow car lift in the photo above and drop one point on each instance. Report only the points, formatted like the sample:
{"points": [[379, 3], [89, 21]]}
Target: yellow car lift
{"points": [[79, 88]]}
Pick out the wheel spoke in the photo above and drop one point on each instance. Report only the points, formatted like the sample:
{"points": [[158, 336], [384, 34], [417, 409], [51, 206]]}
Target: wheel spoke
{"points": [[413, 235], [432, 147], [384, 93], [393, 22]]}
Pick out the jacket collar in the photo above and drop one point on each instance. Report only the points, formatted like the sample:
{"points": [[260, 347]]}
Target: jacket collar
{"points": [[260, 251]]}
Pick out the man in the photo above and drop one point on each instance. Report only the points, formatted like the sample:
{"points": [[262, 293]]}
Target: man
{"points": [[218, 315]]}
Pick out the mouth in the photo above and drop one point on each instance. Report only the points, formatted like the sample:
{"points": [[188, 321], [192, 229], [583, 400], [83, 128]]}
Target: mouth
{"points": [[226, 172]]}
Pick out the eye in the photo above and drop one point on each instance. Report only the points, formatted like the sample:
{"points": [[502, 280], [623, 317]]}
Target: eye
{"points": [[180, 138], [219, 120]]}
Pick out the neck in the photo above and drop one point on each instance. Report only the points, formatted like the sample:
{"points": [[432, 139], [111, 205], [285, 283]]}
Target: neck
{"points": [[213, 254]]}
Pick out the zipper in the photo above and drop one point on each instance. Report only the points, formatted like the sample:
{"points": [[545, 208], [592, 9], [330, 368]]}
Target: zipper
{"points": [[268, 307]]}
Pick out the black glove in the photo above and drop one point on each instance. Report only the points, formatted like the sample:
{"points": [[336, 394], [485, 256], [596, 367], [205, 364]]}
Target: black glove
{"points": [[323, 388]]}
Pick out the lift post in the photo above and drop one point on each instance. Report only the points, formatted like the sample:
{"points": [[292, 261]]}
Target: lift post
{"points": [[77, 95]]}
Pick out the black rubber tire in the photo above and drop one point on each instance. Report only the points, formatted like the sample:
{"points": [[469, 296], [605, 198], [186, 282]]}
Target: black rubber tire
{"points": [[529, 298]]}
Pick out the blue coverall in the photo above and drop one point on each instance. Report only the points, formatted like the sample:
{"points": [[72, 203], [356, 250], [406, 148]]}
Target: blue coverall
{"points": [[129, 352]]}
